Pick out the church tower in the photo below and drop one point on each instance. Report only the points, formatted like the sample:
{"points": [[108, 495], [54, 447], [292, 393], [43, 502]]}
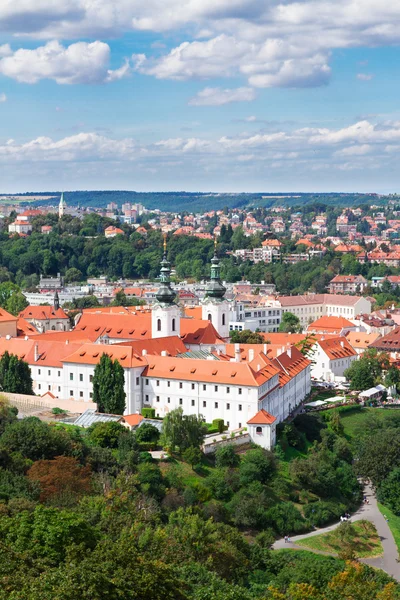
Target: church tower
{"points": [[62, 206], [215, 307], [166, 314], [56, 302]]}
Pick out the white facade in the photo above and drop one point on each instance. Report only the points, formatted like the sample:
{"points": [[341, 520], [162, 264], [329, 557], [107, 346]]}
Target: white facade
{"points": [[263, 318], [329, 369], [165, 320], [263, 435], [308, 311], [218, 313]]}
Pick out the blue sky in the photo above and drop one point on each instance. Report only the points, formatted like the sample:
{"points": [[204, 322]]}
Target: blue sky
{"points": [[224, 95]]}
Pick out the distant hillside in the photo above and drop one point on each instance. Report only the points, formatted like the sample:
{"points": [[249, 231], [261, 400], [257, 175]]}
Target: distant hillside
{"points": [[197, 201]]}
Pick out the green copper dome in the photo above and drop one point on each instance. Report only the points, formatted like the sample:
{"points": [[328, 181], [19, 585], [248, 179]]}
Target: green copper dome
{"points": [[165, 295], [214, 288]]}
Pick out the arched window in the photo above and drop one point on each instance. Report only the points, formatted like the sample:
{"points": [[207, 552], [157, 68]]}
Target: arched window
{"points": [[209, 317], [223, 318], [259, 430], [173, 324], [158, 324]]}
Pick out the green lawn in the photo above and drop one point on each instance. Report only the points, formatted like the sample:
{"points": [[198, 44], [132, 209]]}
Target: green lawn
{"points": [[394, 523], [354, 423], [367, 542]]}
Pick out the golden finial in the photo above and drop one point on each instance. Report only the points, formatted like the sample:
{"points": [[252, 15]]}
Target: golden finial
{"points": [[165, 242]]}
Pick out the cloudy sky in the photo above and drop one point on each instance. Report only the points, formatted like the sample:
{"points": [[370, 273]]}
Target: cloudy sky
{"points": [[224, 95]]}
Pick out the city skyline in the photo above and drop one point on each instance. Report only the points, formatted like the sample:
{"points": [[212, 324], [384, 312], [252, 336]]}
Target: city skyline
{"points": [[222, 96]]}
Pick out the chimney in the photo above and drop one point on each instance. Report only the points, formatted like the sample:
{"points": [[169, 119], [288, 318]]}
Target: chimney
{"points": [[265, 348], [26, 338], [342, 343], [251, 355], [237, 352], [164, 353], [144, 352], [8, 337], [289, 352], [66, 342], [218, 352], [36, 352]]}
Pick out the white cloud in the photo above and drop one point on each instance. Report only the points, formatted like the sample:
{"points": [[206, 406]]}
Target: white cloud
{"points": [[365, 76], [3, 97], [218, 96], [354, 150], [78, 63]]}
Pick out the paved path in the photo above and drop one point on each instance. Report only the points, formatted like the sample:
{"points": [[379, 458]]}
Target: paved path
{"points": [[370, 512]]}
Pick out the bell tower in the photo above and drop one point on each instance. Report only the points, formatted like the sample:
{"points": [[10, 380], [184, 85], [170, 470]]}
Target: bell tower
{"points": [[215, 307], [166, 314]]}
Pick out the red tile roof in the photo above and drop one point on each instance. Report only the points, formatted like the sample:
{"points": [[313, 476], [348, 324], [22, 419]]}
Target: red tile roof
{"points": [[90, 354], [337, 347], [262, 418], [42, 313]]}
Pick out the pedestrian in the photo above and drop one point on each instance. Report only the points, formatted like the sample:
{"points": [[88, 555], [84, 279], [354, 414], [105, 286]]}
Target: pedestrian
{"points": [[286, 539]]}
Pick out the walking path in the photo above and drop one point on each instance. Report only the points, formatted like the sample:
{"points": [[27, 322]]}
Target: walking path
{"points": [[370, 512]]}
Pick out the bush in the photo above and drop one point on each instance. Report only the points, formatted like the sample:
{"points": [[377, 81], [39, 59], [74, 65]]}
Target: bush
{"points": [[147, 433], [285, 519], [58, 411], [389, 491], [148, 413], [106, 434], [310, 425], [225, 456], [218, 424], [321, 513], [257, 465]]}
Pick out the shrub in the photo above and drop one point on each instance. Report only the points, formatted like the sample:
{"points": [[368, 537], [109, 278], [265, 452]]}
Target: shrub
{"points": [[148, 413], [218, 424], [147, 433], [320, 513], [257, 465], [310, 425], [58, 411], [225, 456], [285, 519]]}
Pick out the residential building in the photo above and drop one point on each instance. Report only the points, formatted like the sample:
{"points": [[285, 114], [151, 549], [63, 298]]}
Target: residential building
{"points": [[331, 357], [347, 284], [309, 307]]}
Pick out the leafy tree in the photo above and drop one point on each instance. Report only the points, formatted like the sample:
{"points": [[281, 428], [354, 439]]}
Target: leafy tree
{"points": [[378, 455], [225, 456], [14, 485], [106, 434], [389, 491], [367, 371], [257, 465], [290, 323], [193, 456], [147, 433], [246, 337], [46, 533], [62, 480], [35, 440], [73, 275], [8, 413], [183, 431], [15, 375], [108, 386], [16, 303]]}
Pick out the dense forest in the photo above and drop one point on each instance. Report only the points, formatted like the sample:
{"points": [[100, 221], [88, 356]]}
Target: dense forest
{"points": [[199, 202], [89, 515]]}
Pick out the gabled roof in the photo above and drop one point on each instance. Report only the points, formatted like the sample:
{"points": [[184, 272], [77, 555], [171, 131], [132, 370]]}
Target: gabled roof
{"points": [[25, 328], [361, 340], [389, 342], [5, 316], [337, 347], [42, 313], [172, 345], [330, 325], [194, 331], [290, 363], [90, 354], [128, 325], [50, 354], [262, 418], [133, 420]]}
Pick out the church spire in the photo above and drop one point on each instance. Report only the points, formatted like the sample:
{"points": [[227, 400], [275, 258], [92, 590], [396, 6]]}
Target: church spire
{"points": [[61, 206], [214, 288], [56, 303], [165, 295]]}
